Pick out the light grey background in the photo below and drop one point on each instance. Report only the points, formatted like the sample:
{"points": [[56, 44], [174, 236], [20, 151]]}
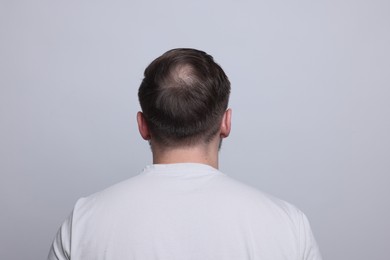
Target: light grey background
{"points": [[310, 98]]}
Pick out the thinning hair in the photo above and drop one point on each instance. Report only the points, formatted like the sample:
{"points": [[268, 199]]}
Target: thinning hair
{"points": [[183, 96]]}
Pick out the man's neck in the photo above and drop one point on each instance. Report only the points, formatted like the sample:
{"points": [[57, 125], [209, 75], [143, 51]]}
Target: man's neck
{"points": [[194, 154]]}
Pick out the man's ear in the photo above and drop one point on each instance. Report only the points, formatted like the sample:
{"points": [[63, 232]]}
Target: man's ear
{"points": [[143, 126], [226, 124]]}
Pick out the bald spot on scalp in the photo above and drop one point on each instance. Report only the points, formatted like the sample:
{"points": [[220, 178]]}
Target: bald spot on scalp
{"points": [[182, 75]]}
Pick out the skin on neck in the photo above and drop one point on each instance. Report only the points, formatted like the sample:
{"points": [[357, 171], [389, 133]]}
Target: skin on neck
{"points": [[199, 153]]}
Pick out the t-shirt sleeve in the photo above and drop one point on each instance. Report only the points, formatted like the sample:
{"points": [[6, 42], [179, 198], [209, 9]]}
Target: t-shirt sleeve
{"points": [[60, 249], [308, 245]]}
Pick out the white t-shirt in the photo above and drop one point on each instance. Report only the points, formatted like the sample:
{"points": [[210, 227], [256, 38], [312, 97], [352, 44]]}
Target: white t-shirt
{"points": [[184, 211]]}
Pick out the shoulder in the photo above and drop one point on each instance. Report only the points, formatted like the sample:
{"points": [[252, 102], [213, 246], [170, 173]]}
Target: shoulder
{"points": [[266, 211], [238, 190], [109, 197]]}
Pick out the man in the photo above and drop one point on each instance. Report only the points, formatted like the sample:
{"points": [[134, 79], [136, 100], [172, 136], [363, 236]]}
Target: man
{"points": [[182, 207]]}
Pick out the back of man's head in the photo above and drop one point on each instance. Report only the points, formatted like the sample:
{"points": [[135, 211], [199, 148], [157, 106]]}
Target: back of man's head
{"points": [[183, 96]]}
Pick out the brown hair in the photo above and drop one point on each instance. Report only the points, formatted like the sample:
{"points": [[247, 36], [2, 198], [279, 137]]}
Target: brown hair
{"points": [[183, 96]]}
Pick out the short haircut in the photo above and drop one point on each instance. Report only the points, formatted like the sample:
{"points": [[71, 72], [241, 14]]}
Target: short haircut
{"points": [[183, 97]]}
